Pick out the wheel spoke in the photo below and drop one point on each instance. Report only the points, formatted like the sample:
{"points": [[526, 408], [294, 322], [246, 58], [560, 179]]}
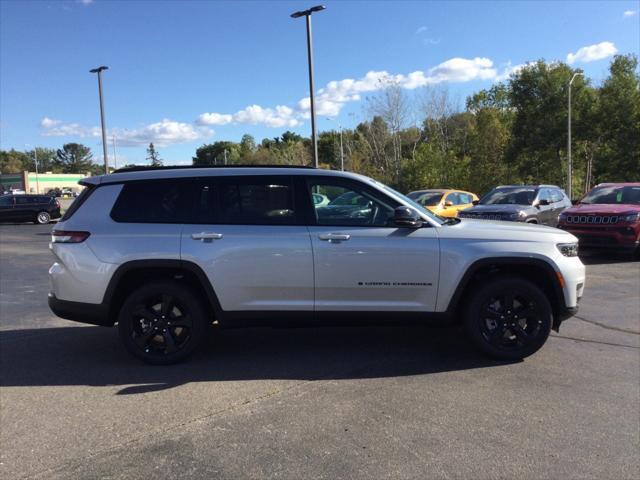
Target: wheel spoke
{"points": [[167, 304], [169, 341], [183, 322], [143, 339], [527, 312], [491, 314], [521, 334]]}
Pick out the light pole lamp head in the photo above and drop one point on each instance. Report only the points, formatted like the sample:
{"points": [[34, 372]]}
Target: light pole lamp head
{"points": [[305, 13], [99, 69]]}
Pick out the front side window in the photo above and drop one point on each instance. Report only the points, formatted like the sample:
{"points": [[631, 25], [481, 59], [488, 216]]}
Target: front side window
{"points": [[6, 201], [428, 199], [157, 201], [351, 206]]}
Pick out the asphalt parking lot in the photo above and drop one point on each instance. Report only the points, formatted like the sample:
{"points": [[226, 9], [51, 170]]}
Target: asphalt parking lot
{"points": [[316, 403]]}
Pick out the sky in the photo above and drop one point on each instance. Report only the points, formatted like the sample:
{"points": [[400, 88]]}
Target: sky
{"points": [[185, 73]]}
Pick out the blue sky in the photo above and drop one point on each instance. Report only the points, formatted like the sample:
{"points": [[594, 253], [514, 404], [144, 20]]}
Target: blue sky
{"points": [[184, 73]]}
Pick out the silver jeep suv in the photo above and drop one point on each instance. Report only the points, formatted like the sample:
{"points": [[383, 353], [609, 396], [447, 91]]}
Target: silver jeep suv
{"points": [[166, 252]]}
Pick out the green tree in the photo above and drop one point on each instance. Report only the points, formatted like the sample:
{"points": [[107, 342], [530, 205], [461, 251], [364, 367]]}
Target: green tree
{"points": [[13, 161], [75, 158], [153, 156], [217, 153]]}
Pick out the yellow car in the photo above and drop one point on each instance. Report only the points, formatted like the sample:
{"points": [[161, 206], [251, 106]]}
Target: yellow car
{"points": [[444, 202]]}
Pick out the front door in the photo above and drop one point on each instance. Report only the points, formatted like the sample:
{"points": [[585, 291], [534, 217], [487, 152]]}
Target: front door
{"points": [[6, 208], [248, 237], [364, 263]]}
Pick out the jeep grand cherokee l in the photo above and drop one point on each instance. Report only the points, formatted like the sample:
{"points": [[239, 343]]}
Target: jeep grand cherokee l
{"points": [[28, 208], [165, 252]]}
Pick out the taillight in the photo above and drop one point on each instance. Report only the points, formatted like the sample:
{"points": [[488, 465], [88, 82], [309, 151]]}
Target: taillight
{"points": [[64, 236]]}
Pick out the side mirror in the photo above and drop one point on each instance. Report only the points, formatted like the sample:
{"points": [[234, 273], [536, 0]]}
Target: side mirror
{"points": [[406, 217], [475, 202], [543, 202], [448, 203]]}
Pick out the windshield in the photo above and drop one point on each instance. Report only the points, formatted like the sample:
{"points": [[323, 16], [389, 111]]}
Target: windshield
{"points": [[411, 202], [614, 195], [509, 196], [428, 199]]}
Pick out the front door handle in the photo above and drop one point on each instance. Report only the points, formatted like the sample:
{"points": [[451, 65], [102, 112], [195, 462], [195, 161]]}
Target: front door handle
{"points": [[206, 236], [334, 237]]}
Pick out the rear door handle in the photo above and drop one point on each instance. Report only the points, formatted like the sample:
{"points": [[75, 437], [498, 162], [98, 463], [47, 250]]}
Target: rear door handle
{"points": [[334, 237], [206, 236]]}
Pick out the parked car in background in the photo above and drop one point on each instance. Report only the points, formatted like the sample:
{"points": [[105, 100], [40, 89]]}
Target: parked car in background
{"points": [[17, 191], [320, 200], [444, 202], [29, 208], [541, 204], [607, 216]]}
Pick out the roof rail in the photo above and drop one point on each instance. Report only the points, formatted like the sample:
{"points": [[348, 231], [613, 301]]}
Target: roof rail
{"points": [[142, 168]]}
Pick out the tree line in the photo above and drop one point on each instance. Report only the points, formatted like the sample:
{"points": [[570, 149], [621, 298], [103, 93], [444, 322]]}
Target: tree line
{"points": [[513, 132]]}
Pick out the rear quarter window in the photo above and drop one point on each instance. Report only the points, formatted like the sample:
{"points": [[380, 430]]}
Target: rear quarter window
{"points": [[158, 201]]}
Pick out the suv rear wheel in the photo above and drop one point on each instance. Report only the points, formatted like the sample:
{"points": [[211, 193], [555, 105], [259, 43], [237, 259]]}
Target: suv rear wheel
{"points": [[162, 323], [509, 318]]}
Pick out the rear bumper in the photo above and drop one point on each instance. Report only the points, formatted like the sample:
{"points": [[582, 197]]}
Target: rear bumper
{"points": [[92, 313]]}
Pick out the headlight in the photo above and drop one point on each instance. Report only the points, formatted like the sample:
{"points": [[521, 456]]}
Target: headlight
{"points": [[630, 217], [568, 249]]}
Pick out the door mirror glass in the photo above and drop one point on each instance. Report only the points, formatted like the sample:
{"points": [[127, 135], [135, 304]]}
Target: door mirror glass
{"points": [[448, 203], [406, 217], [475, 202], [543, 202]]}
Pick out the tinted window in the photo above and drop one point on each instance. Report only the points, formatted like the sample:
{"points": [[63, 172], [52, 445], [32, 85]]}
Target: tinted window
{"points": [[629, 195], [556, 195], [6, 201], [247, 201], [166, 201], [545, 194], [351, 206]]}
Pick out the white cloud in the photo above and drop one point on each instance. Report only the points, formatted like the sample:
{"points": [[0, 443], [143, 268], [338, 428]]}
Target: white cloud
{"points": [[630, 13], [281, 116], [58, 128], [422, 29], [511, 70], [85, 2], [163, 133], [592, 53], [214, 119]]}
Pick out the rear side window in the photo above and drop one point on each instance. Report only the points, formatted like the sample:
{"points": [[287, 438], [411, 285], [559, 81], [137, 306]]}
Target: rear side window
{"points": [[162, 201], [246, 201], [77, 203]]}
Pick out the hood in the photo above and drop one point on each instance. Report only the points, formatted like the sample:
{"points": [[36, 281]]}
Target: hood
{"points": [[602, 208], [497, 208], [513, 231]]}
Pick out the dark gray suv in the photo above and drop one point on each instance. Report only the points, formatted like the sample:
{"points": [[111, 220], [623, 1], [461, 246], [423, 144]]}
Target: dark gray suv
{"points": [[541, 204]]}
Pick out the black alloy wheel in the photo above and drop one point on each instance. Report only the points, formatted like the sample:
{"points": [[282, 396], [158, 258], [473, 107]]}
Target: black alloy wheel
{"points": [[162, 323], [509, 318]]}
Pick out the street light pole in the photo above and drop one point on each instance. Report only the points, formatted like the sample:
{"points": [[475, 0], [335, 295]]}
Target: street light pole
{"points": [[569, 162], [115, 158], [99, 71], [307, 15]]}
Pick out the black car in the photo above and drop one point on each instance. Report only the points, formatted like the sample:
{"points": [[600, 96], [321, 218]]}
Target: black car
{"points": [[521, 203], [29, 208]]}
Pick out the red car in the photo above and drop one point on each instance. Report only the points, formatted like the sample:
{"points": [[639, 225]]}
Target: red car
{"points": [[607, 216]]}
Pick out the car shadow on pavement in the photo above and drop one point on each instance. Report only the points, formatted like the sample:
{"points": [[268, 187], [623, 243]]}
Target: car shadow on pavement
{"points": [[93, 356]]}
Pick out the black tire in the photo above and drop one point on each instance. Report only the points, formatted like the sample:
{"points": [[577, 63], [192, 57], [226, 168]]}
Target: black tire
{"points": [[508, 318], [42, 218], [162, 323]]}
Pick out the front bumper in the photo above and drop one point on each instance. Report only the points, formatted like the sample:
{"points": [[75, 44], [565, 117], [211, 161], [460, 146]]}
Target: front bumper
{"points": [[92, 313], [625, 237]]}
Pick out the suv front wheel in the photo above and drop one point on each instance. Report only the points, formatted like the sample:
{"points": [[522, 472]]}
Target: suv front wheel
{"points": [[162, 323], [509, 318]]}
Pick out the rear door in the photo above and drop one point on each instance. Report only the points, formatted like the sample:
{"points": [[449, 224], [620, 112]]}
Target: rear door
{"points": [[24, 208], [249, 238], [364, 263]]}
